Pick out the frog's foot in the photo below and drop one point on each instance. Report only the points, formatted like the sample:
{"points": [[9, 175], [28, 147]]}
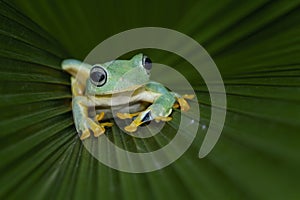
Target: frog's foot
{"points": [[89, 125], [141, 118], [97, 129], [103, 125], [184, 106], [127, 115]]}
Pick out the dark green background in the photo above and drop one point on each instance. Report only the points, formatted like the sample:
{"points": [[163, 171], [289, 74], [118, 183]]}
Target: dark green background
{"points": [[256, 46]]}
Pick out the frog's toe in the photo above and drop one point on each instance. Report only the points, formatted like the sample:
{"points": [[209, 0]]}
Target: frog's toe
{"points": [[108, 124], [164, 119], [85, 134], [176, 105], [188, 96], [123, 115], [131, 128], [83, 130], [101, 128], [127, 115], [92, 126], [99, 116], [98, 131]]}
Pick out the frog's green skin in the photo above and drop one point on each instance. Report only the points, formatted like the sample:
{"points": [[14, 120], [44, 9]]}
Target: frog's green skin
{"points": [[127, 82]]}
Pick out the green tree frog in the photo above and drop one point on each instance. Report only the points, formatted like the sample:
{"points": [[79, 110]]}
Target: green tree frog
{"points": [[116, 84]]}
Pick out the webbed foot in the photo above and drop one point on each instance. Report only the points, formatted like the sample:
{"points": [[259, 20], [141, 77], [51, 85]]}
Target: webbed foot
{"points": [[89, 125], [184, 106], [131, 128]]}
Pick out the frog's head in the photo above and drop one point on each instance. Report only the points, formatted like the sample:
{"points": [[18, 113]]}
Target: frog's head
{"points": [[118, 75]]}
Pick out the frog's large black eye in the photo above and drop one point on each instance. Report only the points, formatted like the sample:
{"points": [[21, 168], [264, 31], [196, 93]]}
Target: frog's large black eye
{"points": [[147, 63], [98, 76]]}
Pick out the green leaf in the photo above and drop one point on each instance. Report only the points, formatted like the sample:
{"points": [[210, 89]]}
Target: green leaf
{"points": [[256, 47]]}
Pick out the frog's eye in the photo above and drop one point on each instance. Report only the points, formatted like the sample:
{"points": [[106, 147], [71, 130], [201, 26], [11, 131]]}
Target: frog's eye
{"points": [[147, 63], [98, 76]]}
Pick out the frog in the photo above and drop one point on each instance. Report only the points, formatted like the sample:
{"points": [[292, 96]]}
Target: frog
{"points": [[115, 85]]}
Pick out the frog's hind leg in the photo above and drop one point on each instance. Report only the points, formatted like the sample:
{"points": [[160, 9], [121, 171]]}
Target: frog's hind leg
{"points": [[84, 124]]}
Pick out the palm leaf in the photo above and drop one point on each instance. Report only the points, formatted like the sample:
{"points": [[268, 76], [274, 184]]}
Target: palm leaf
{"points": [[255, 46]]}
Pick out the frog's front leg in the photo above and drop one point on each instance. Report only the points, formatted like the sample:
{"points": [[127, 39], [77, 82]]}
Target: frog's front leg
{"points": [[159, 110], [83, 122], [161, 107]]}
